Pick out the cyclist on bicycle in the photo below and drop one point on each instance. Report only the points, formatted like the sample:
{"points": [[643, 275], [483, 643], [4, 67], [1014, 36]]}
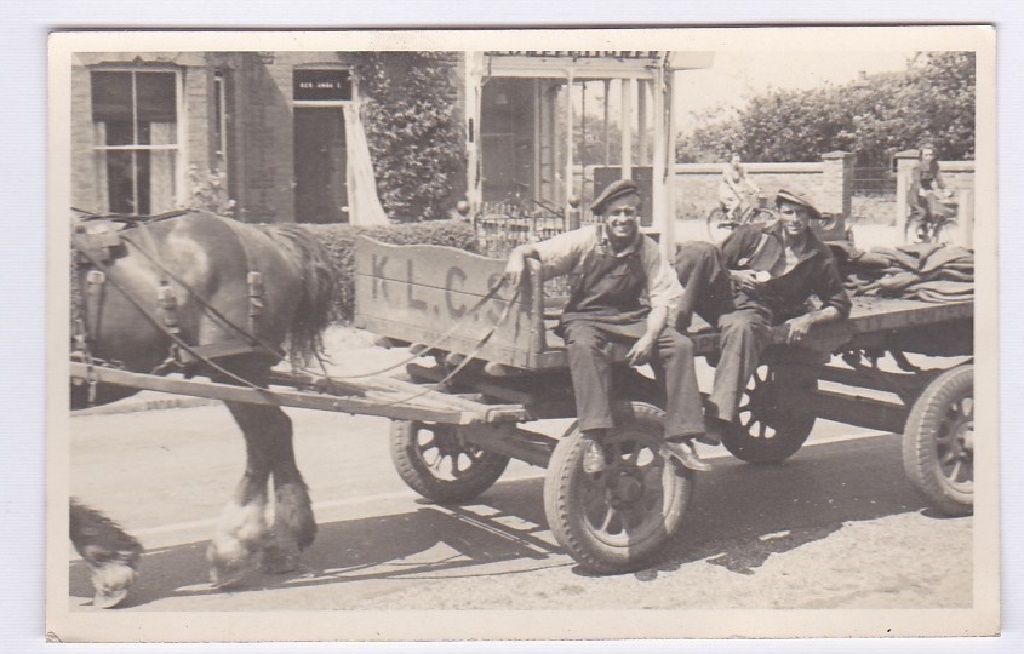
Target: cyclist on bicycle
{"points": [[736, 193], [927, 197]]}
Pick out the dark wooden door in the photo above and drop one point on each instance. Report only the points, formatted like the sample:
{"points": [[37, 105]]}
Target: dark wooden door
{"points": [[321, 192]]}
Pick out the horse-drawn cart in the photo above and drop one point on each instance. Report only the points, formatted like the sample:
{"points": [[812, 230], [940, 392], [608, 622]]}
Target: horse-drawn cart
{"points": [[485, 363]]}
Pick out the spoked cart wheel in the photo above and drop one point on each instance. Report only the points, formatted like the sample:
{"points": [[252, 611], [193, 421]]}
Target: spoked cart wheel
{"points": [[938, 442], [439, 465], [771, 426], [615, 520]]}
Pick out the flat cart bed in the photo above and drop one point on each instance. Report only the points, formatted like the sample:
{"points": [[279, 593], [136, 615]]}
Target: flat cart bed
{"points": [[426, 295]]}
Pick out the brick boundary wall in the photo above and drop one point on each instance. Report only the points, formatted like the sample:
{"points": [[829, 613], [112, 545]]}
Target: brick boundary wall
{"points": [[828, 183]]}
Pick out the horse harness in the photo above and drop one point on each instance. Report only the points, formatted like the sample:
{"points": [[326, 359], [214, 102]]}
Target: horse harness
{"points": [[98, 242]]}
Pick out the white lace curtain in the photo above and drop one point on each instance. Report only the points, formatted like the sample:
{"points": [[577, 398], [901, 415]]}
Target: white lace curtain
{"points": [[363, 204], [162, 179], [161, 168]]}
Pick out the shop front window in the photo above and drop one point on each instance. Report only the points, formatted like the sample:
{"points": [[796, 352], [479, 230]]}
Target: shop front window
{"points": [[135, 123]]}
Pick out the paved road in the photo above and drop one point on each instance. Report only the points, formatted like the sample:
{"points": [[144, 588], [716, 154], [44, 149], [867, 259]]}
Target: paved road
{"points": [[836, 526]]}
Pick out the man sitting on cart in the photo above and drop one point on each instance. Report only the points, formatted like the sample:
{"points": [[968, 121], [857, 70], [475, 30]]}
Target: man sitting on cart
{"points": [[621, 291], [763, 275]]}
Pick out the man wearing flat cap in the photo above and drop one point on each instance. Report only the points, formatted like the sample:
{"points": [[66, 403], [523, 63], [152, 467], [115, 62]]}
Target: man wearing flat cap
{"points": [[621, 291], [763, 275]]}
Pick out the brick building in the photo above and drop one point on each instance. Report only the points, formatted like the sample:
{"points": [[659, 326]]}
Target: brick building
{"points": [[149, 129]]}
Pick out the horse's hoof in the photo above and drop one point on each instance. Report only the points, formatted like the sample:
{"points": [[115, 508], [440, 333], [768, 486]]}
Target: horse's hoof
{"points": [[224, 578], [111, 582], [109, 599], [229, 569], [277, 562]]}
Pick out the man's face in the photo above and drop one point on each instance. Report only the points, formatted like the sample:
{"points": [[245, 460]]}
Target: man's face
{"points": [[795, 219], [927, 154], [620, 218]]}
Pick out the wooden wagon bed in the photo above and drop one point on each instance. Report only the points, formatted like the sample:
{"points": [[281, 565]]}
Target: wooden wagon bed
{"points": [[417, 294]]}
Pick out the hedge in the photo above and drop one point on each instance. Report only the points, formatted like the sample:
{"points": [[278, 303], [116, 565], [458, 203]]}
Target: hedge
{"points": [[339, 240]]}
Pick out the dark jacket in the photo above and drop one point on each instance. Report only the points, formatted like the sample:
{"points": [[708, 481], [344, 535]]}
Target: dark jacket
{"points": [[760, 247]]}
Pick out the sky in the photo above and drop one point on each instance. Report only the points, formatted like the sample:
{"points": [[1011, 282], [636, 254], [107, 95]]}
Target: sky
{"points": [[735, 75]]}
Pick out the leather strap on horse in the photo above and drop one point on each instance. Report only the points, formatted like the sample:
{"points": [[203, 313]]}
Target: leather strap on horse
{"points": [[251, 338], [177, 340], [94, 280]]}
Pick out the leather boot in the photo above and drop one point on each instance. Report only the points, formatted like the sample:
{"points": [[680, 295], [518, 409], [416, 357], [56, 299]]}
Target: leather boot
{"points": [[593, 453], [683, 451]]}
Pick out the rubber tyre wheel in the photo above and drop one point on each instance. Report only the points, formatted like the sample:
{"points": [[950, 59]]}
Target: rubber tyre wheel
{"points": [[938, 450], [716, 217], [617, 520], [441, 468], [770, 427]]}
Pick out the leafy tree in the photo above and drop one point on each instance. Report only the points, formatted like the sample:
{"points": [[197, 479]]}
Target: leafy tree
{"points": [[413, 132], [932, 100]]}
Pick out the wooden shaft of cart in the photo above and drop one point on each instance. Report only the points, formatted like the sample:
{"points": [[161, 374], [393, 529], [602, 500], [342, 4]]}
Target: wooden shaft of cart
{"points": [[384, 397]]}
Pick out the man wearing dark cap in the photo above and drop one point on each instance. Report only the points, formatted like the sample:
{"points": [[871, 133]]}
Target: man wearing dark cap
{"points": [[763, 275], [621, 291]]}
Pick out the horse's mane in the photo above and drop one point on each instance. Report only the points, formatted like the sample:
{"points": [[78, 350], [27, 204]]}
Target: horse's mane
{"points": [[312, 315]]}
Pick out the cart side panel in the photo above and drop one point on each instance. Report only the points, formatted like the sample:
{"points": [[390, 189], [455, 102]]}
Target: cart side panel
{"points": [[418, 293]]}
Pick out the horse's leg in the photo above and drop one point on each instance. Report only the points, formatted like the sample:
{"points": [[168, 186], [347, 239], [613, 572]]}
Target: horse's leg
{"points": [[112, 554], [237, 546], [294, 524]]}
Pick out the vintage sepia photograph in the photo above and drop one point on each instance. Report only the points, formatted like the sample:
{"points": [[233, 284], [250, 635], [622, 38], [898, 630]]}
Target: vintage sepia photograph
{"points": [[522, 334]]}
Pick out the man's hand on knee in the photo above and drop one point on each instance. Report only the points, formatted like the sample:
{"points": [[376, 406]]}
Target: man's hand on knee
{"points": [[642, 351], [798, 328]]}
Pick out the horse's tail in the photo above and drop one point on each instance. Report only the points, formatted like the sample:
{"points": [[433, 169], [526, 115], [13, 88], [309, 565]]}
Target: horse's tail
{"points": [[312, 314], [89, 526]]}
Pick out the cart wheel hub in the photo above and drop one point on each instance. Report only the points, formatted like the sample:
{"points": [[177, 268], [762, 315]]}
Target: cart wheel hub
{"points": [[966, 437], [626, 489]]}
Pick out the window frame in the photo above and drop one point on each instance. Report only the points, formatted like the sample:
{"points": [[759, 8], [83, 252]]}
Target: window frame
{"points": [[181, 129]]}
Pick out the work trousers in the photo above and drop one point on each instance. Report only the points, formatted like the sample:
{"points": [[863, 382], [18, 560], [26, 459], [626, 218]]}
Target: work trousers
{"points": [[745, 329], [744, 335], [590, 362], [706, 284]]}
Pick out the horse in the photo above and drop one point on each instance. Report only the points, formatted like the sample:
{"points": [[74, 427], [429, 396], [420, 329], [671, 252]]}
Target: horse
{"points": [[197, 293]]}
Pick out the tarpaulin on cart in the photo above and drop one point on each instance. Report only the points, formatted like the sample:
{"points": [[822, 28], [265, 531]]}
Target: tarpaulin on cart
{"points": [[928, 272]]}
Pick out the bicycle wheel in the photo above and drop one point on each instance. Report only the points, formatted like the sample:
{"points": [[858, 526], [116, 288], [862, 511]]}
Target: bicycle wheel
{"points": [[720, 224]]}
